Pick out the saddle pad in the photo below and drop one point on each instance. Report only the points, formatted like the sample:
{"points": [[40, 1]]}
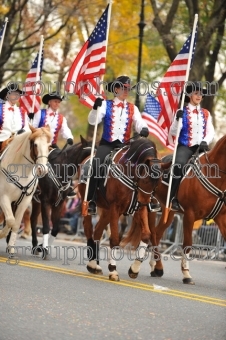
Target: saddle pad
{"points": [[108, 161]]}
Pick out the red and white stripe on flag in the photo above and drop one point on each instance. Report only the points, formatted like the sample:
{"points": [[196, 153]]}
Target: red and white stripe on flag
{"points": [[32, 87], [171, 86], [85, 73]]}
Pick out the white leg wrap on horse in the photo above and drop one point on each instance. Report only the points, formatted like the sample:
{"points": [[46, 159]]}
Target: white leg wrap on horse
{"points": [[51, 239], [152, 262], [12, 240], [111, 260], [45, 240], [141, 250], [136, 266], [185, 267], [93, 264]]}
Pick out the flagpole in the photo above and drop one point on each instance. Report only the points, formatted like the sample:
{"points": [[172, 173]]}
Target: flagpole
{"points": [[3, 35], [167, 209], [38, 70], [85, 203]]}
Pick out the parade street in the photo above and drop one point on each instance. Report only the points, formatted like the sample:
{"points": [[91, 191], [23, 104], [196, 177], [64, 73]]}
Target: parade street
{"points": [[59, 299]]}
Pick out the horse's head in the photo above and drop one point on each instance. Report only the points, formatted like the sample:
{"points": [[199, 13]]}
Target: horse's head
{"points": [[40, 141]]}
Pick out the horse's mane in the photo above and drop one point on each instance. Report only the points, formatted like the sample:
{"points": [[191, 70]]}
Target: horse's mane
{"points": [[72, 154], [16, 149], [139, 150], [219, 142]]}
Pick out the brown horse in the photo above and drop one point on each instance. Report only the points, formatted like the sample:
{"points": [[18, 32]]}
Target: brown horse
{"points": [[130, 183], [202, 195]]}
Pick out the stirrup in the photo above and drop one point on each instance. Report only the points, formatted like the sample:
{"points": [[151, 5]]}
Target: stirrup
{"points": [[175, 205], [71, 193], [92, 208]]}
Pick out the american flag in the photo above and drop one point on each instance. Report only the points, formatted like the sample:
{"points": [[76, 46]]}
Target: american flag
{"points": [[84, 75], [150, 114], [32, 87], [172, 84]]}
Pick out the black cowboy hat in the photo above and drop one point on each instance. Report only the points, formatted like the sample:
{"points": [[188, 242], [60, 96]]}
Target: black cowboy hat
{"points": [[49, 96], [194, 86], [12, 87], [122, 81]]}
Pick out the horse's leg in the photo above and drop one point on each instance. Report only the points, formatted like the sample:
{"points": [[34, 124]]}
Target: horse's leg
{"points": [[16, 225], [27, 223], [104, 220], [156, 262], [188, 223], [46, 227], [92, 266], [144, 240], [36, 209], [9, 219], [123, 226], [221, 223], [55, 218], [114, 239]]}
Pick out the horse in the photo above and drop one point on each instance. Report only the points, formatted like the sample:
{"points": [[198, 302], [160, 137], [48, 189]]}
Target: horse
{"points": [[22, 162], [26, 223], [128, 187], [54, 188], [202, 195]]}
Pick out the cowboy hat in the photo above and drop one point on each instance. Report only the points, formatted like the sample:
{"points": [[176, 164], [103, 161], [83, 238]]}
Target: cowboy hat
{"points": [[194, 86], [11, 87], [49, 96], [122, 81]]}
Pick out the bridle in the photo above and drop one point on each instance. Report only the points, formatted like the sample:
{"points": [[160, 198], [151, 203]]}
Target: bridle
{"points": [[33, 153]]}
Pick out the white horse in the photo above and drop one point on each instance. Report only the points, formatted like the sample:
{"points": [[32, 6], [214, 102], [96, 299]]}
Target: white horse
{"points": [[21, 163]]}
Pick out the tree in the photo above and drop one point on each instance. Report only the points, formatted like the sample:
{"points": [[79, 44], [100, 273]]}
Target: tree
{"points": [[170, 20], [27, 21]]}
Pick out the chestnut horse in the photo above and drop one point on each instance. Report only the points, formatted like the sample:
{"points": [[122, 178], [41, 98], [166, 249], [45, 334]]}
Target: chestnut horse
{"points": [[202, 195], [129, 183]]}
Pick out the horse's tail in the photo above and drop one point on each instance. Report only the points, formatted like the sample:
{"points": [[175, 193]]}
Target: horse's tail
{"points": [[134, 234], [4, 232]]}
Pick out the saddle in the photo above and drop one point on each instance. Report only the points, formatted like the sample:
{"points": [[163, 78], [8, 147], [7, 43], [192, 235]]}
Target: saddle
{"points": [[168, 159], [106, 164]]}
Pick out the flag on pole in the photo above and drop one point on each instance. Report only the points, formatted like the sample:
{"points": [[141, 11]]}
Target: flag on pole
{"points": [[171, 86], [150, 114], [32, 87], [84, 76]]}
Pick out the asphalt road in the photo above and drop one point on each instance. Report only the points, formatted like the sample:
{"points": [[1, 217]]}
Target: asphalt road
{"points": [[59, 299]]}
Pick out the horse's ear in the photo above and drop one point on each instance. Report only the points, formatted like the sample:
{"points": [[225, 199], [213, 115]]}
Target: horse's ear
{"points": [[83, 141], [32, 128], [48, 127]]}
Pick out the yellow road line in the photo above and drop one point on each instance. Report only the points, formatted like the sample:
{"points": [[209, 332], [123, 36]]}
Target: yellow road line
{"points": [[125, 283]]}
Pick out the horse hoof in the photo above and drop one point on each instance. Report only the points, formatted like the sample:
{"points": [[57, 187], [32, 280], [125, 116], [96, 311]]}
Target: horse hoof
{"points": [[10, 251], [188, 281], [131, 274], [95, 271], [157, 273], [114, 277], [37, 249]]}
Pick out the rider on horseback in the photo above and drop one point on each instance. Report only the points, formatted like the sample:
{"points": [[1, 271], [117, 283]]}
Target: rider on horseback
{"points": [[196, 133], [56, 121], [118, 116], [12, 118]]}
